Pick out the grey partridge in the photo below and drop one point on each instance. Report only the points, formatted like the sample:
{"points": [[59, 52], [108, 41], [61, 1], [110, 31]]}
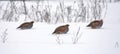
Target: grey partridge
{"points": [[61, 29], [96, 24], [26, 25]]}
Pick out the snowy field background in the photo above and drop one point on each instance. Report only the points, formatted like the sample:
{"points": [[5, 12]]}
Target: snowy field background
{"points": [[39, 39]]}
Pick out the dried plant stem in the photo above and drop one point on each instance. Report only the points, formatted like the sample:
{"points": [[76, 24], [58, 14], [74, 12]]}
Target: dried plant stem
{"points": [[59, 41], [116, 44], [77, 36], [4, 36]]}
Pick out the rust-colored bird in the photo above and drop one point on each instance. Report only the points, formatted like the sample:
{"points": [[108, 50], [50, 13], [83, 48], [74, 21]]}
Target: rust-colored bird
{"points": [[61, 29], [96, 24], [26, 25]]}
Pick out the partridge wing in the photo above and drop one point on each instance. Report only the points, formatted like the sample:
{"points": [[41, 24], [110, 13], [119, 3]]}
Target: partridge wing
{"points": [[59, 29], [24, 25]]}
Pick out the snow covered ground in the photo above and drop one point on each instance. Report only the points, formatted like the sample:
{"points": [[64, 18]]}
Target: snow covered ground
{"points": [[39, 39]]}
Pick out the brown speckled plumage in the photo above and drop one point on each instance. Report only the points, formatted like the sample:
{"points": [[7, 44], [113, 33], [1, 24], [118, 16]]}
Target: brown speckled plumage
{"points": [[96, 24], [26, 25], [61, 29]]}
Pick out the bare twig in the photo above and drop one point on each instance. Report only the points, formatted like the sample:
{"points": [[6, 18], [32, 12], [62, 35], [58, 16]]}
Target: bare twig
{"points": [[116, 44], [105, 9], [77, 36], [4, 36], [62, 10], [25, 9], [59, 41]]}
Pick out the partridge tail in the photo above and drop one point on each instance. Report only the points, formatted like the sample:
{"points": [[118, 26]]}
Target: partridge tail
{"points": [[88, 25], [17, 27], [53, 33]]}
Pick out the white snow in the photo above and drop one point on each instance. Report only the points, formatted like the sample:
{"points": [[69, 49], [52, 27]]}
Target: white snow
{"points": [[40, 40]]}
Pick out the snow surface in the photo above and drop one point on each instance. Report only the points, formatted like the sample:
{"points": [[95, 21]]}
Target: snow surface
{"points": [[39, 39]]}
